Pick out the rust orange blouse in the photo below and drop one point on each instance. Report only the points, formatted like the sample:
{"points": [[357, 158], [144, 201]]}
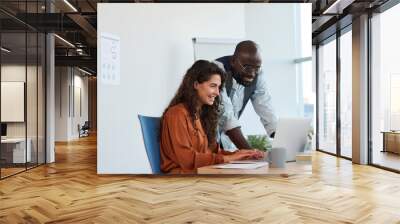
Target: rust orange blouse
{"points": [[183, 147]]}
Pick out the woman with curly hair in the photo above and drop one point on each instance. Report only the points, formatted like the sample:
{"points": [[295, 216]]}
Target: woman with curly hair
{"points": [[189, 123]]}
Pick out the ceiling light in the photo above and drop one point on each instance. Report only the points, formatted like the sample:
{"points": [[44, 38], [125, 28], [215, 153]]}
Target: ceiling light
{"points": [[65, 41], [70, 5], [84, 71], [338, 6], [5, 50]]}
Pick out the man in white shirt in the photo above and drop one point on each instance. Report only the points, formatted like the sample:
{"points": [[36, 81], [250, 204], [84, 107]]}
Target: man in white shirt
{"points": [[244, 82]]}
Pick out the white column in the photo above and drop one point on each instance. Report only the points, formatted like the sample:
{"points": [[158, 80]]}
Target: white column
{"points": [[360, 90], [50, 99]]}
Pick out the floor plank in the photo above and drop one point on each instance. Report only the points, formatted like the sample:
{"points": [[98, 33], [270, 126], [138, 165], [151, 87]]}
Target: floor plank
{"points": [[387, 159], [70, 191]]}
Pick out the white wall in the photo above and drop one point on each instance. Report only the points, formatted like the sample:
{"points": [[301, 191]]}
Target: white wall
{"points": [[67, 83], [156, 50], [279, 44], [61, 103]]}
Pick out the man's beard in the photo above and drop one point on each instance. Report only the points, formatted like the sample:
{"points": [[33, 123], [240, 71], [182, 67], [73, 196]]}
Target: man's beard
{"points": [[242, 82], [246, 83]]}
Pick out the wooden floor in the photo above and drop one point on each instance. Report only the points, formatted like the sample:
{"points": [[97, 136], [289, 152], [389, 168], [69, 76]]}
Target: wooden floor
{"points": [[387, 159], [70, 191], [5, 172]]}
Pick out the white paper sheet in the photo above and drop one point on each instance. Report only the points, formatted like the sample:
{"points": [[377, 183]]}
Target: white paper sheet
{"points": [[248, 161], [110, 59], [247, 166]]}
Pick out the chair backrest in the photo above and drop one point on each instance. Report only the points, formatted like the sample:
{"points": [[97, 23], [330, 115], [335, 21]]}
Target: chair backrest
{"points": [[150, 130], [86, 125]]}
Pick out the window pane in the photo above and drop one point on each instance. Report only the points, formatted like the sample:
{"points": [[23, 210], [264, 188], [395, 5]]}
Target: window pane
{"points": [[386, 89], [13, 86], [31, 101], [327, 97], [22, 89], [346, 94], [41, 98]]}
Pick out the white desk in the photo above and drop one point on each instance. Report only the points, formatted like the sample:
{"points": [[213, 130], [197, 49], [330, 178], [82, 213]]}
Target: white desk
{"points": [[18, 150]]}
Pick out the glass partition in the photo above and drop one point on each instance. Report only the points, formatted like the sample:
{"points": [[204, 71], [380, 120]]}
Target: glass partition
{"points": [[327, 97], [22, 88], [13, 109], [346, 94], [385, 89]]}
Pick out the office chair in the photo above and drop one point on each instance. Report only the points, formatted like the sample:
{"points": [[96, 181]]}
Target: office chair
{"points": [[84, 130], [150, 130]]}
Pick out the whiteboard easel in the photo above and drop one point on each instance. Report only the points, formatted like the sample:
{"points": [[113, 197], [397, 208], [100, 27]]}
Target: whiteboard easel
{"points": [[212, 48]]}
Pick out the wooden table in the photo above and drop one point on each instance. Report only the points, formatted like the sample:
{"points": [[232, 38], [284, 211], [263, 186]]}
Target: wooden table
{"points": [[391, 141], [291, 168]]}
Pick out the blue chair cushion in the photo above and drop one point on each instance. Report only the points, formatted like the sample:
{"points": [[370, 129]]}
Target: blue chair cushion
{"points": [[150, 130]]}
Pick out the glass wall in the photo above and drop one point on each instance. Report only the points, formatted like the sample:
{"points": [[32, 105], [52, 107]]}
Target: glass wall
{"points": [[13, 90], [22, 79], [327, 96], [31, 100], [385, 89], [346, 94], [335, 74]]}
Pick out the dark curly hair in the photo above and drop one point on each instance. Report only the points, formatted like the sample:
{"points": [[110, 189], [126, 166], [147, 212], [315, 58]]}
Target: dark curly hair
{"points": [[201, 71]]}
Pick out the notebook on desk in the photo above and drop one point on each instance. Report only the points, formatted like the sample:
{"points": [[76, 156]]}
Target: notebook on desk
{"points": [[246, 166]]}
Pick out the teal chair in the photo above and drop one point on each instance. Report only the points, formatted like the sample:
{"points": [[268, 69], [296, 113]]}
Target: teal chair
{"points": [[150, 130]]}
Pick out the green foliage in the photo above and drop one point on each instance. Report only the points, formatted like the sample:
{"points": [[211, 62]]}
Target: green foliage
{"points": [[260, 142]]}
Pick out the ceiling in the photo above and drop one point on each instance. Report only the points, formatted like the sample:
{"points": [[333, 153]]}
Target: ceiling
{"points": [[76, 21]]}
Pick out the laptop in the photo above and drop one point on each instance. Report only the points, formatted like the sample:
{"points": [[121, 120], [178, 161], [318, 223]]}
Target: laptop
{"points": [[291, 134]]}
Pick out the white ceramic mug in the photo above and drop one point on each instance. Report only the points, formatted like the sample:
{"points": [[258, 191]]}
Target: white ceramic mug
{"points": [[277, 158]]}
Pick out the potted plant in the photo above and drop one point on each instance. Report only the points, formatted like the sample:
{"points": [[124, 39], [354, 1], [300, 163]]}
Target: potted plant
{"points": [[261, 142]]}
